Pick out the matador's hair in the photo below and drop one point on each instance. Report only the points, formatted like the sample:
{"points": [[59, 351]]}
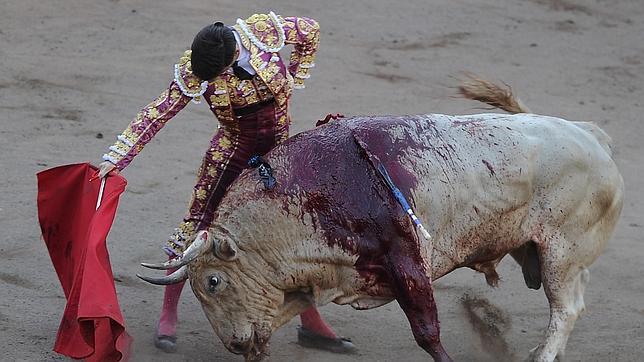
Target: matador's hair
{"points": [[212, 50]]}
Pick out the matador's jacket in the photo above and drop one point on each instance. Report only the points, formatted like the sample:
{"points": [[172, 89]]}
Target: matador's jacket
{"points": [[241, 134]]}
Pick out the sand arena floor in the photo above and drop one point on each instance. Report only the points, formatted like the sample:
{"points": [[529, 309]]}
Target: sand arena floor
{"points": [[73, 70]]}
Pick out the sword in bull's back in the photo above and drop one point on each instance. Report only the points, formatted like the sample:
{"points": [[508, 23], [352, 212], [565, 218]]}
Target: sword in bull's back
{"points": [[382, 171]]}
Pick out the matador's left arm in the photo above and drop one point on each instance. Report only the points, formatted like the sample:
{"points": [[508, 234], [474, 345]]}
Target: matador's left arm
{"points": [[304, 33]]}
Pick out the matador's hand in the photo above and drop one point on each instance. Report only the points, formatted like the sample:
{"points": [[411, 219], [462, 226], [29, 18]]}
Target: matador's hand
{"points": [[105, 168]]}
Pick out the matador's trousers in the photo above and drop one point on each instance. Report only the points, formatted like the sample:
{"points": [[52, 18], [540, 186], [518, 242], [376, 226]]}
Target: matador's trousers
{"points": [[254, 132]]}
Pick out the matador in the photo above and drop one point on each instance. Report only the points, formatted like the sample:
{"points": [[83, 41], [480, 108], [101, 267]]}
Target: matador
{"points": [[240, 74]]}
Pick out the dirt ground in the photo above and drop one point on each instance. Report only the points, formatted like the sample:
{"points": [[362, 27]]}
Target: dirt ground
{"points": [[73, 70]]}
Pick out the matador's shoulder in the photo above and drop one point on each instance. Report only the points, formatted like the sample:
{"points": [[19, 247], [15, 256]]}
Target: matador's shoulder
{"points": [[189, 83], [265, 31]]}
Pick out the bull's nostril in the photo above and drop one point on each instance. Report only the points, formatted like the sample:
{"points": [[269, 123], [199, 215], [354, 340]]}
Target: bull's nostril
{"points": [[238, 346]]}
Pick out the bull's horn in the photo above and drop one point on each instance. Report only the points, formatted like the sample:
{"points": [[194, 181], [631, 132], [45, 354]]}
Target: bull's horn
{"points": [[193, 251], [178, 276]]}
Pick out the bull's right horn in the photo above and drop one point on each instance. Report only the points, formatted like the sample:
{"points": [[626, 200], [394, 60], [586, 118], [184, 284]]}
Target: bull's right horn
{"points": [[178, 276], [193, 251]]}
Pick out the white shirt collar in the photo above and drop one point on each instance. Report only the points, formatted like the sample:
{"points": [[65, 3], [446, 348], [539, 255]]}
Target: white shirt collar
{"points": [[243, 60]]}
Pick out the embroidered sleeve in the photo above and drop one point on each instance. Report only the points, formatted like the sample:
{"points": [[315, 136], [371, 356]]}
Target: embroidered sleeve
{"points": [[146, 124], [184, 88], [304, 33]]}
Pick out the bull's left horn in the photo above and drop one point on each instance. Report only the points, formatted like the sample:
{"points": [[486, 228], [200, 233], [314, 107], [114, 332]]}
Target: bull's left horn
{"points": [[193, 251], [178, 276]]}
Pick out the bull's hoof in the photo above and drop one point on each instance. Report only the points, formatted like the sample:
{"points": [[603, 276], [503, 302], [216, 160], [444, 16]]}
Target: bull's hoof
{"points": [[167, 344], [309, 339]]}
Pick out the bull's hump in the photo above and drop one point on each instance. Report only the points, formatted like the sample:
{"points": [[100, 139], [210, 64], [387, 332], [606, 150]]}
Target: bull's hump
{"points": [[330, 152], [322, 155]]}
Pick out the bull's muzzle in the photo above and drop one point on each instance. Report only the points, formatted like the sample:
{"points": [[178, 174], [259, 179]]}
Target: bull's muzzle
{"points": [[253, 348], [239, 346]]}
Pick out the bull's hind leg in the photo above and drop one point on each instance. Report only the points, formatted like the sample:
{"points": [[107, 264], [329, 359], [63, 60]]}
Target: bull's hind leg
{"points": [[564, 282]]}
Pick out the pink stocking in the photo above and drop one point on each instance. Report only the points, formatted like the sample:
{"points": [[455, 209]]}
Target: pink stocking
{"points": [[312, 320], [169, 316]]}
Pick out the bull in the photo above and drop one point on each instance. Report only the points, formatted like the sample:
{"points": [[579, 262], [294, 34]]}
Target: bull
{"points": [[542, 189]]}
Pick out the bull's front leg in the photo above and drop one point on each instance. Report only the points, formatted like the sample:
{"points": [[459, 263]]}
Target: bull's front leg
{"points": [[412, 286]]}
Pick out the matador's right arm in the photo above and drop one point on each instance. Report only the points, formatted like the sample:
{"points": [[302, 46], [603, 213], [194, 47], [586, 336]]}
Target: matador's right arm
{"points": [[184, 88]]}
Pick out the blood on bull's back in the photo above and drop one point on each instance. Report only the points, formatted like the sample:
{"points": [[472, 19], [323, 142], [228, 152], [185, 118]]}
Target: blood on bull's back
{"points": [[456, 171]]}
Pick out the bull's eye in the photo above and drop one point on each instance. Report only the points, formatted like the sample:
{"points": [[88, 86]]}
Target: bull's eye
{"points": [[213, 283]]}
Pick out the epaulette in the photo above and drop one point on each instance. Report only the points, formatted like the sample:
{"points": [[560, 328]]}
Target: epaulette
{"points": [[265, 31], [189, 83]]}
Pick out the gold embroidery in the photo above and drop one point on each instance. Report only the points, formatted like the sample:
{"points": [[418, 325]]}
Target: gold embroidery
{"points": [[287, 23], [129, 135], [224, 114], [312, 35], [233, 82], [187, 227], [249, 93], [270, 38], [283, 120], [185, 78], [263, 92], [291, 34], [244, 38], [115, 156], [307, 59], [263, 30], [219, 100], [305, 26], [217, 156], [256, 61], [271, 70], [189, 83], [201, 194], [175, 94], [153, 113], [261, 26], [220, 96], [224, 143], [274, 79], [257, 17], [185, 58], [121, 147]]}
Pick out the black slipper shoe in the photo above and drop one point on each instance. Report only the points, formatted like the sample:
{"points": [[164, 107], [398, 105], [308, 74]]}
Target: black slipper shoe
{"points": [[309, 339], [167, 344]]}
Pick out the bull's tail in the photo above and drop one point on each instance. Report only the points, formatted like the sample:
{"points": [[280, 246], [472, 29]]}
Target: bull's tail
{"points": [[482, 90], [479, 89]]}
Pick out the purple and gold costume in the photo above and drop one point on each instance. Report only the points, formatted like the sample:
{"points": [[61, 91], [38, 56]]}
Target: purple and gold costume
{"points": [[253, 114]]}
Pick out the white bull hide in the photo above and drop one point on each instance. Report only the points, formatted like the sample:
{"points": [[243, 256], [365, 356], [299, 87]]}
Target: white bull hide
{"points": [[541, 188]]}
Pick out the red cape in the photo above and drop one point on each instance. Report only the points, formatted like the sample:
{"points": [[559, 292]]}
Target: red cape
{"points": [[75, 232]]}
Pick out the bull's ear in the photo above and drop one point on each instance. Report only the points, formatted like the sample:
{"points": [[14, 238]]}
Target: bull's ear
{"points": [[225, 250]]}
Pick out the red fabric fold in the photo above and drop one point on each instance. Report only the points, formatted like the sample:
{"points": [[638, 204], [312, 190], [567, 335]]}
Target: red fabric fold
{"points": [[75, 232]]}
